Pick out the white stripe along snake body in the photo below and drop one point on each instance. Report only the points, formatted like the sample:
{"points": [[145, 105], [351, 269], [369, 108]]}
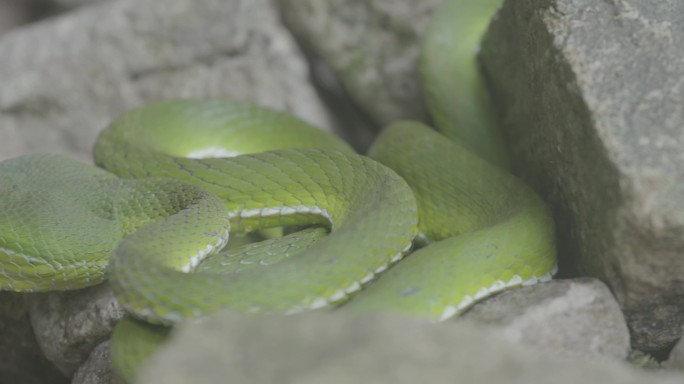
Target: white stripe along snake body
{"points": [[483, 228]]}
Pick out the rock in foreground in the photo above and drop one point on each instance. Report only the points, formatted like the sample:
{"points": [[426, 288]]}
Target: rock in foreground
{"points": [[575, 317], [334, 348]]}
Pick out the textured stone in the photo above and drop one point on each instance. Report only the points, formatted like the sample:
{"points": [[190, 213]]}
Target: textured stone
{"points": [[69, 325], [577, 318], [590, 95], [372, 47], [13, 13], [319, 348], [75, 3], [64, 79], [97, 369], [22, 360], [676, 358]]}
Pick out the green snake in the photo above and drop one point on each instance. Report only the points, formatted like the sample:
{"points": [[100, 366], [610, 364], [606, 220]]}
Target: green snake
{"points": [[178, 178]]}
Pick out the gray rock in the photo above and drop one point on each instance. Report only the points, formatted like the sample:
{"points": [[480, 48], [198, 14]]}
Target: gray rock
{"points": [[64, 79], [22, 360], [324, 348], [590, 95], [74, 3], [676, 358], [13, 13], [69, 325], [577, 318], [372, 46], [97, 369]]}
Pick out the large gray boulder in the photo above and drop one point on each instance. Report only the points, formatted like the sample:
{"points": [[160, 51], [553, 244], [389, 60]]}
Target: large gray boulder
{"points": [[64, 79], [335, 349], [590, 95]]}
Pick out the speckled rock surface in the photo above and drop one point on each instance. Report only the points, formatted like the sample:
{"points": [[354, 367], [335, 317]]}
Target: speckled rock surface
{"points": [[97, 369], [590, 95], [676, 358], [69, 325]]}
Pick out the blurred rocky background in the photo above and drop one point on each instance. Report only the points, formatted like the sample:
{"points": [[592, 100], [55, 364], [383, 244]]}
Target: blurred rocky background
{"points": [[589, 95]]}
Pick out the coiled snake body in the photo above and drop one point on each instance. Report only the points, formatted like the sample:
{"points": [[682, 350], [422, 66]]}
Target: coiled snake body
{"points": [[188, 173]]}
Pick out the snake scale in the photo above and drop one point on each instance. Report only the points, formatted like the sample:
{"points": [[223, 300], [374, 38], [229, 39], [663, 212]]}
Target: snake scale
{"points": [[177, 178]]}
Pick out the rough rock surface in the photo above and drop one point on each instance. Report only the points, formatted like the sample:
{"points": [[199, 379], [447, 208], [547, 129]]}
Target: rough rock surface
{"points": [[319, 348], [676, 358], [69, 325], [12, 14], [577, 318], [590, 95], [75, 3], [22, 360], [372, 47], [64, 79], [97, 369]]}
